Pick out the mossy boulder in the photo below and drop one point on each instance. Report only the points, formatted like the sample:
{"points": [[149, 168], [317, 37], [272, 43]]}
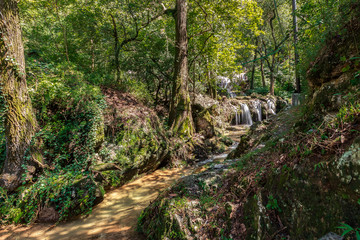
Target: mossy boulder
{"points": [[310, 201], [135, 139], [205, 124]]}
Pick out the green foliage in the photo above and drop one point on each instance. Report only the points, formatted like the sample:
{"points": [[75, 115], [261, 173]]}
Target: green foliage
{"points": [[348, 113], [356, 80], [273, 204], [260, 90], [319, 21], [348, 230], [2, 131], [54, 189], [70, 114]]}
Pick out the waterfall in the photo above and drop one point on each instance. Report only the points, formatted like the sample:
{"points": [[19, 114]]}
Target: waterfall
{"points": [[245, 115], [271, 106], [257, 105], [226, 84], [240, 77], [237, 117]]}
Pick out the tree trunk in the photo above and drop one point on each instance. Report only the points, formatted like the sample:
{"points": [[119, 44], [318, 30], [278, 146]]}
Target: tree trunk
{"points": [[272, 83], [272, 75], [272, 65], [92, 55], [262, 73], [116, 50], [20, 122], [253, 66], [297, 75], [180, 107]]}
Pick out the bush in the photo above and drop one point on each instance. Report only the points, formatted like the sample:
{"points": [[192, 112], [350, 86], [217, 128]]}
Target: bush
{"points": [[261, 90]]}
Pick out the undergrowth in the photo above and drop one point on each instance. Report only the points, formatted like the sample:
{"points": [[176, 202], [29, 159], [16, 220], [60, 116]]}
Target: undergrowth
{"points": [[70, 114], [321, 141]]}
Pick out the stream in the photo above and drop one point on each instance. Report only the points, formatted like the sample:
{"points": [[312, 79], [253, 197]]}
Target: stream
{"points": [[116, 217]]}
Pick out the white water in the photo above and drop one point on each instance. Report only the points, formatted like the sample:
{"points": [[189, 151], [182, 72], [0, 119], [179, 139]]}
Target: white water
{"points": [[240, 77], [257, 105], [245, 115], [237, 117], [271, 106], [226, 84]]}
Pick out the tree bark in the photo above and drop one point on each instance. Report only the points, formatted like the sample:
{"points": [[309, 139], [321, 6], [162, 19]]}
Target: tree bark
{"points": [[92, 55], [253, 66], [180, 117], [117, 49], [20, 121], [262, 73], [297, 75], [272, 65]]}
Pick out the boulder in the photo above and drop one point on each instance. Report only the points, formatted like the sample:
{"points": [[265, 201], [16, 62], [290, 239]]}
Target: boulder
{"points": [[204, 124]]}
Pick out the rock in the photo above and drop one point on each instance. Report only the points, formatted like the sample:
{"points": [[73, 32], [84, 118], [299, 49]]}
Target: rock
{"points": [[204, 124], [280, 104], [241, 148], [48, 215], [331, 236]]}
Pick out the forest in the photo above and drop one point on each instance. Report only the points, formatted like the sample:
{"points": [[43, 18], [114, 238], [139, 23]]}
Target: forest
{"points": [[180, 119]]}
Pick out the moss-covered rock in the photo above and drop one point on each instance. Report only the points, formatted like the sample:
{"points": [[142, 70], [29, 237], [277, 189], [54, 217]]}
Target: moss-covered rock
{"points": [[205, 124]]}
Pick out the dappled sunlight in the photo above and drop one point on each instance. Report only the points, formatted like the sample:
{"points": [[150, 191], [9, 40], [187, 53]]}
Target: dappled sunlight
{"points": [[114, 218]]}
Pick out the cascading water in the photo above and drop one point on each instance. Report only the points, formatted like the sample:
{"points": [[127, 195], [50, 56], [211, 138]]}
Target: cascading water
{"points": [[271, 106], [237, 117], [240, 77], [257, 105], [226, 84], [245, 115], [237, 122]]}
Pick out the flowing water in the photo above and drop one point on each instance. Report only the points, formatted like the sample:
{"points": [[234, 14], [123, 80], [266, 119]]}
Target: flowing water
{"points": [[245, 115], [226, 84], [237, 117], [271, 106], [116, 217], [257, 105]]}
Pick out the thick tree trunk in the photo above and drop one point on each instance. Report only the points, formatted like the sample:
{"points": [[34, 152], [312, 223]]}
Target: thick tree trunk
{"points": [[20, 122], [180, 107]]}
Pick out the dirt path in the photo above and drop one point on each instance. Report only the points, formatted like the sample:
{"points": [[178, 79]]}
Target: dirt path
{"points": [[114, 218]]}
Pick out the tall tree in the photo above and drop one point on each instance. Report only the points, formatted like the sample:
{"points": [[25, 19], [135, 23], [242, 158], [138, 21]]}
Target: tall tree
{"points": [[20, 121], [180, 108], [297, 76]]}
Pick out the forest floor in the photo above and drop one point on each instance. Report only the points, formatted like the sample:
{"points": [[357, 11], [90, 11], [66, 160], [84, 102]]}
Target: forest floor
{"points": [[115, 217]]}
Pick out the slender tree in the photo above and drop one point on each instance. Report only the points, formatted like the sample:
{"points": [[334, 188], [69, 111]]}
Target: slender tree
{"points": [[254, 65], [180, 108], [297, 76], [20, 122]]}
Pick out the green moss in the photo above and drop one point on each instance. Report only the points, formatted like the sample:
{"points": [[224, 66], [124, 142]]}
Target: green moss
{"points": [[159, 223]]}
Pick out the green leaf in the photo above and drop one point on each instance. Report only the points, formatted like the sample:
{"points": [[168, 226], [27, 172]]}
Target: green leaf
{"points": [[346, 232], [345, 226], [357, 235], [345, 69]]}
